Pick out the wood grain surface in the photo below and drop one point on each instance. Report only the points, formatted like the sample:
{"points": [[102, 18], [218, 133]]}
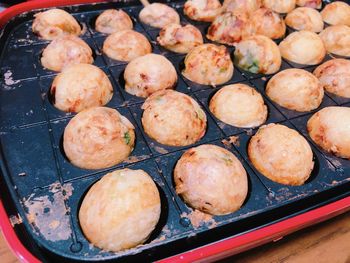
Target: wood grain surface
{"points": [[327, 242]]}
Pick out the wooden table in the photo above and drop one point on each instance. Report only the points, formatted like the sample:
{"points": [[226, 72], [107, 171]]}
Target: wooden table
{"points": [[327, 242]]}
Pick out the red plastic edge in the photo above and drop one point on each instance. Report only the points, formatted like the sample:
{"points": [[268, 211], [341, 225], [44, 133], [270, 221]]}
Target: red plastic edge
{"points": [[210, 252], [12, 11], [214, 251], [234, 245], [12, 240]]}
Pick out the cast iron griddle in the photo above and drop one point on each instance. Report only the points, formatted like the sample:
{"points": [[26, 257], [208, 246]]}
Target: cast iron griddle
{"points": [[40, 184]]}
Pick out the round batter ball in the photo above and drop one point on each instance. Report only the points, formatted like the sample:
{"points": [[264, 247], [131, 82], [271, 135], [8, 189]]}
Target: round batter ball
{"points": [[112, 20], [334, 76], [337, 40], [258, 54], [159, 15], [280, 6], [55, 23], [121, 210], [281, 154], [266, 22], [173, 118], [148, 74], [211, 179], [310, 3], [64, 51], [202, 10], [239, 105], [295, 89], [98, 138], [336, 13], [305, 18], [208, 64], [79, 87], [329, 129], [126, 45], [228, 28], [180, 39], [247, 6], [303, 47]]}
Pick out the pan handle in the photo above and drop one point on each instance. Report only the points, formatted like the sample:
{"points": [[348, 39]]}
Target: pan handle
{"points": [[12, 11]]}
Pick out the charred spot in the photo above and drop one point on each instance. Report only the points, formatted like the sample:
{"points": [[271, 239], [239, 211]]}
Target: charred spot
{"points": [[204, 209], [53, 94], [75, 105], [268, 13], [191, 153], [37, 33], [144, 77], [207, 203], [212, 29], [230, 39]]}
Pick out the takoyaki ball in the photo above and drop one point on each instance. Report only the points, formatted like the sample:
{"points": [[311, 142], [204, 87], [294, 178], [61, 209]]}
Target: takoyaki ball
{"points": [[211, 179], [239, 105], [228, 28], [126, 45], [266, 22], [281, 154], [79, 87], [148, 74], [246, 6], [208, 64], [305, 18], [309, 3], [334, 76], [303, 47], [202, 10], [336, 13], [180, 39], [121, 210], [64, 51], [159, 15], [295, 89], [337, 40], [258, 54], [55, 23], [98, 138], [173, 118], [280, 6], [329, 129], [112, 20]]}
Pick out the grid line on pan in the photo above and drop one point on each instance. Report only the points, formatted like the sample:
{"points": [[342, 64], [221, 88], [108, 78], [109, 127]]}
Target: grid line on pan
{"points": [[54, 147]]}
